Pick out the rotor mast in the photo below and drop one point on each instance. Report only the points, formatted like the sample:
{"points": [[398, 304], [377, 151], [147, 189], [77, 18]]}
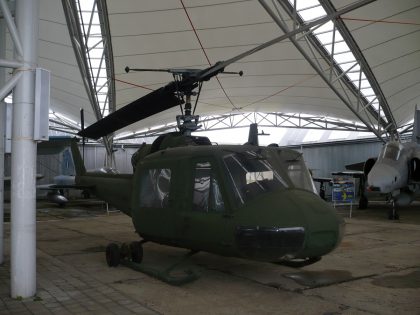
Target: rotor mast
{"points": [[187, 122], [185, 81]]}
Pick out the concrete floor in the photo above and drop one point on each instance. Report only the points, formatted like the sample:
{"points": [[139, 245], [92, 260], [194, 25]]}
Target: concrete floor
{"points": [[376, 270]]}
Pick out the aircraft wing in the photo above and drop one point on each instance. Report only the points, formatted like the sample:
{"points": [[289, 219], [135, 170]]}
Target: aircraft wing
{"points": [[355, 174], [356, 166], [56, 187], [322, 179]]}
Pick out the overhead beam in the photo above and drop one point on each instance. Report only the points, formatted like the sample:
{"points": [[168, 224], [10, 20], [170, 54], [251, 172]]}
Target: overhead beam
{"points": [[12, 28], [341, 26], [240, 120], [80, 50], [341, 93], [10, 85], [287, 35], [345, 89], [10, 63], [108, 53]]}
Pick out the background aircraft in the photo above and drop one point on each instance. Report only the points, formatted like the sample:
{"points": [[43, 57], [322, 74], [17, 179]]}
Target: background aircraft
{"points": [[395, 173], [54, 191]]}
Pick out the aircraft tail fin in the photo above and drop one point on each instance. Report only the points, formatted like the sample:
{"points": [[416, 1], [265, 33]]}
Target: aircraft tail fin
{"points": [[416, 126], [79, 165]]}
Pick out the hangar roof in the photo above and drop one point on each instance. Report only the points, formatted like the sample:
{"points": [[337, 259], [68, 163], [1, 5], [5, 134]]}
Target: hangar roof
{"points": [[196, 34]]}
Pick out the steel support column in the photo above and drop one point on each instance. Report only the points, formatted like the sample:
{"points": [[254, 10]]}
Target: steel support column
{"points": [[23, 203], [2, 137]]}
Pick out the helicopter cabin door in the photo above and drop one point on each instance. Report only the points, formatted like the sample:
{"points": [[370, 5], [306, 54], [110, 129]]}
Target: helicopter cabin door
{"points": [[154, 214], [205, 221]]}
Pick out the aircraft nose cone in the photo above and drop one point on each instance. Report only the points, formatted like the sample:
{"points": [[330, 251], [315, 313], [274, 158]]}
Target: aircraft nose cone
{"points": [[382, 178]]}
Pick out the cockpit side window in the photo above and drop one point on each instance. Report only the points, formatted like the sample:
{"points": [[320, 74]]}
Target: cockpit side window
{"points": [[155, 188], [391, 152], [299, 174], [207, 196]]}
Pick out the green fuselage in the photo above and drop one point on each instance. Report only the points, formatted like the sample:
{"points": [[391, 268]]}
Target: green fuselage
{"points": [[245, 201]]}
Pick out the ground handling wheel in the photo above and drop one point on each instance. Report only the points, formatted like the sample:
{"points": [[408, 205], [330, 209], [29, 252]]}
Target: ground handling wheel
{"points": [[124, 251], [112, 254], [136, 252]]}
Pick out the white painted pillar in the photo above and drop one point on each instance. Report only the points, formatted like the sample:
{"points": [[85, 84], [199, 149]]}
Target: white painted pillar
{"points": [[2, 137], [23, 202]]}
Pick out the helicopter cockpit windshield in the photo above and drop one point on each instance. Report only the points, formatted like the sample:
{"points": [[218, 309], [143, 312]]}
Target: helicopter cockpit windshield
{"points": [[252, 175], [391, 151], [299, 174]]}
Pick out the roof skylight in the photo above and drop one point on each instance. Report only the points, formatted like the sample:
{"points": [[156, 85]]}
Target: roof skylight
{"points": [[93, 40], [334, 43]]}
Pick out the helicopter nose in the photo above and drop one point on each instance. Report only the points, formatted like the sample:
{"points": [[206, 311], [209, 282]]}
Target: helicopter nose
{"points": [[382, 178], [292, 224], [324, 227]]}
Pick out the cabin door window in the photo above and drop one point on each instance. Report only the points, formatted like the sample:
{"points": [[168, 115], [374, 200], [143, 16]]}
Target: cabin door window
{"points": [[155, 188], [206, 193]]}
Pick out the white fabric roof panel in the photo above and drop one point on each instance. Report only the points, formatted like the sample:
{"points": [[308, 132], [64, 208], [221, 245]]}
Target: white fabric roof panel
{"points": [[158, 34], [56, 54], [388, 33], [162, 37]]}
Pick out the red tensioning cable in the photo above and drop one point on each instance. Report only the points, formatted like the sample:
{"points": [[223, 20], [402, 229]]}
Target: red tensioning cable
{"points": [[381, 21], [133, 84], [204, 51]]}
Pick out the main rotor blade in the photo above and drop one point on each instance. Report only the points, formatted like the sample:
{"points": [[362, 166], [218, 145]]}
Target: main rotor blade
{"points": [[148, 105], [218, 67], [164, 98]]}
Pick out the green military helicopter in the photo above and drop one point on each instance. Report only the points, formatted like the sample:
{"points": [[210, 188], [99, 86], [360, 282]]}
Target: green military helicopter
{"points": [[244, 201]]}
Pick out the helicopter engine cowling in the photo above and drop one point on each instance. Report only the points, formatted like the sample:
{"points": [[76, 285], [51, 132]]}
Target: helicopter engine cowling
{"points": [[140, 154]]}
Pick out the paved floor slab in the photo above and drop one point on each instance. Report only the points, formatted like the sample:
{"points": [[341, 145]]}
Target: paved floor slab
{"points": [[376, 270]]}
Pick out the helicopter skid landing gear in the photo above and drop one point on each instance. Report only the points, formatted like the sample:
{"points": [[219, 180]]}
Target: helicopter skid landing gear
{"points": [[131, 255], [165, 275], [298, 263]]}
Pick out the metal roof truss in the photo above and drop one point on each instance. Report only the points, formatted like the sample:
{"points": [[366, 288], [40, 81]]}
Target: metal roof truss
{"points": [[372, 110], [241, 120], [86, 46]]}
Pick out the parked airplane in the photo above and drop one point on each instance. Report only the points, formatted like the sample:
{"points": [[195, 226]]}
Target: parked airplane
{"points": [[55, 192], [60, 183], [396, 172]]}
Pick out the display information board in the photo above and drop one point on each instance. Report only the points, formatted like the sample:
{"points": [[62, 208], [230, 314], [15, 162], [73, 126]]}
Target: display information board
{"points": [[343, 190]]}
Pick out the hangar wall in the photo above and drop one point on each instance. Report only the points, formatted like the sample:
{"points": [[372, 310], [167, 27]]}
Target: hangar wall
{"points": [[322, 158], [51, 165], [325, 158]]}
